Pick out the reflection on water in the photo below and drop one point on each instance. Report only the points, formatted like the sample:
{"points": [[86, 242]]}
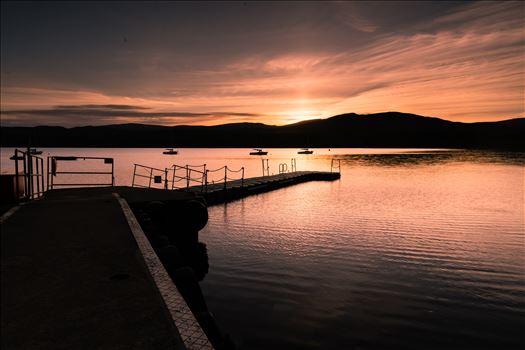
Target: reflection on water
{"points": [[434, 157], [405, 251]]}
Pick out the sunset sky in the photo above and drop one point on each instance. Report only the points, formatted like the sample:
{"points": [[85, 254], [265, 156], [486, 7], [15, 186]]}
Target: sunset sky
{"points": [[172, 63]]}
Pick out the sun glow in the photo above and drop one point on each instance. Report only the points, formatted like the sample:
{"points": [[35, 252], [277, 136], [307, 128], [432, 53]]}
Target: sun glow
{"points": [[301, 115]]}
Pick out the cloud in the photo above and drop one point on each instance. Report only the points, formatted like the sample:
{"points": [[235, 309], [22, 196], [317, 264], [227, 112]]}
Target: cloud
{"points": [[459, 61], [108, 114]]}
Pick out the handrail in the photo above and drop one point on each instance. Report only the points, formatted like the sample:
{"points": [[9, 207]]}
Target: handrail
{"points": [[52, 171], [33, 174], [189, 175]]}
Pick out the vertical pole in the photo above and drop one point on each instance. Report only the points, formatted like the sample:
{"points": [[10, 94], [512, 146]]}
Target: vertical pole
{"points": [[206, 181], [225, 175], [47, 173], [17, 185], [50, 184], [25, 175], [173, 177], [242, 178], [262, 159], [134, 172], [37, 179], [204, 176], [165, 178], [150, 176], [42, 166], [187, 176]]}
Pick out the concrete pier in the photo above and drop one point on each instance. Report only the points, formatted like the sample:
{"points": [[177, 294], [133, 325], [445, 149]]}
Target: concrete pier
{"points": [[74, 277]]}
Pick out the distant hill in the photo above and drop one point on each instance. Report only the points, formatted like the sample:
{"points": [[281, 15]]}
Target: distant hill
{"points": [[390, 129]]}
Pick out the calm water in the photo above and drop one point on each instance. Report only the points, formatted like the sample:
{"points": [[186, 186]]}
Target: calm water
{"points": [[408, 250]]}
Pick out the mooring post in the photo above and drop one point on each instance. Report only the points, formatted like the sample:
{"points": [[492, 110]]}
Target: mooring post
{"points": [[165, 178]]}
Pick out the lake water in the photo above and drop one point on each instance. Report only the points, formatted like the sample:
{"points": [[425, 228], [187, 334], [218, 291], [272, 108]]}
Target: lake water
{"points": [[411, 249]]}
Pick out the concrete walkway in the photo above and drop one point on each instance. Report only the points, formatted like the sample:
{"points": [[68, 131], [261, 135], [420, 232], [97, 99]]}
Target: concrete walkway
{"points": [[73, 277]]}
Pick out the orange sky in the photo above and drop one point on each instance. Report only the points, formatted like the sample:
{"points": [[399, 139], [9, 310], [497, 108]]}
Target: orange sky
{"points": [[463, 63]]}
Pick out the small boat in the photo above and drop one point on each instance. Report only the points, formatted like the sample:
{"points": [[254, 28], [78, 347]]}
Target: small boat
{"points": [[305, 151], [34, 151], [170, 151], [258, 152]]}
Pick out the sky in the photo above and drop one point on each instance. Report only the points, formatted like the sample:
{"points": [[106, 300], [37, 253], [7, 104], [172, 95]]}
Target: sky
{"points": [[199, 63]]}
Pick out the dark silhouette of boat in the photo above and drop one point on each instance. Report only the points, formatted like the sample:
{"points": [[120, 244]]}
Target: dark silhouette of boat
{"points": [[34, 151], [258, 152], [305, 151], [170, 151]]}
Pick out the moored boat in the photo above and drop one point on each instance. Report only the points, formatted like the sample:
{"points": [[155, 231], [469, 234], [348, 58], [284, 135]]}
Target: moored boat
{"points": [[305, 151], [258, 152], [170, 151]]}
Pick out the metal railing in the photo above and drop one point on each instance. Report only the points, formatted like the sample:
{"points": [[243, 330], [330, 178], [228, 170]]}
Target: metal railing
{"points": [[224, 180], [192, 174], [180, 177], [151, 176], [335, 164], [33, 174], [52, 171]]}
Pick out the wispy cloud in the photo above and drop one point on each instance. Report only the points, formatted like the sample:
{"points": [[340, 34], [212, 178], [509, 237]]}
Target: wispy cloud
{"points": [[461, 62], [106, 114]]}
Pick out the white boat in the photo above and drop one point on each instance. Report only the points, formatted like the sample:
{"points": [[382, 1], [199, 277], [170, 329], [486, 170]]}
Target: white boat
{"points": [[305, 151], [258, 152], [170, 151]]}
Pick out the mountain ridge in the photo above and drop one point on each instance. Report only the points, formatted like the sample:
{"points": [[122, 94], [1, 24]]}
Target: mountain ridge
{"points": [[387, 129]]}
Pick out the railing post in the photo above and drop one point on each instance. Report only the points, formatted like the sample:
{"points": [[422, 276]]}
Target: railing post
{"points": [[42, 165], [112, 172], [150, 176], [187, 176], [165, 178], [242, 178], [37, 179], [206, 181], [225, 175], [134, 172], [173, 177], [17, 185], [25, 175]]}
